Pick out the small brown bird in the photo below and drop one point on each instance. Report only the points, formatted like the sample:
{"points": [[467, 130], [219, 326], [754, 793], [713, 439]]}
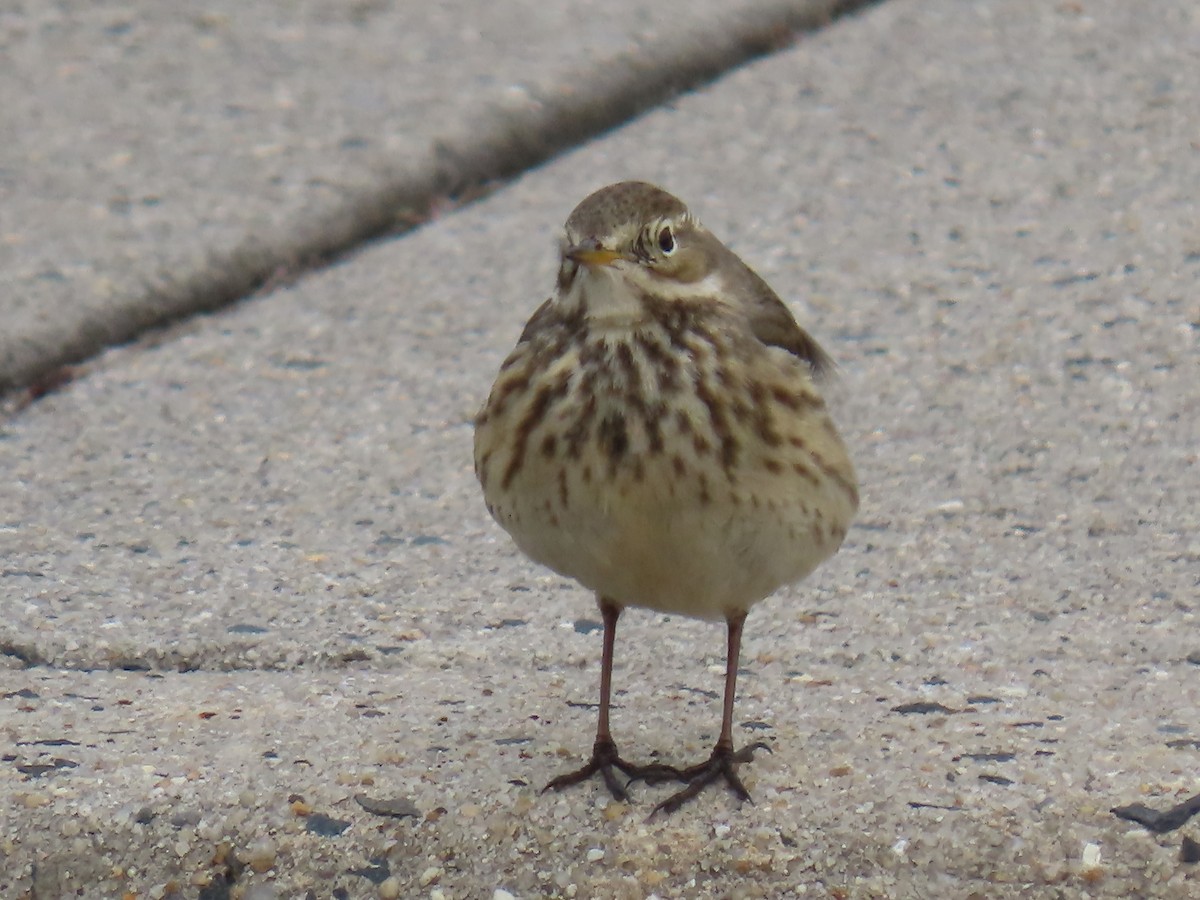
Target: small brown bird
{"points": [[658, 435]]}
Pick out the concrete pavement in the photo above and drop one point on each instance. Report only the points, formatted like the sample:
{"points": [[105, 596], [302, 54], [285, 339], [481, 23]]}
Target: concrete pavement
{"points": [[156, 163], [249, 585]]}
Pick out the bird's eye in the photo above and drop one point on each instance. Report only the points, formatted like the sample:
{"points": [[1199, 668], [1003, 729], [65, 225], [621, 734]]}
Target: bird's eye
{"points": [[666, 241]]}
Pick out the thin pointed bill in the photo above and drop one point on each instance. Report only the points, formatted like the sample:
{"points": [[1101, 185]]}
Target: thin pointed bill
{"points": [[591, 255]]}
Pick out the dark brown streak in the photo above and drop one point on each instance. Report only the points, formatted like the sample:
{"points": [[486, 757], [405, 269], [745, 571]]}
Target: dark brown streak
{"points": [[666, 365], [796, 400], [764, 422], [650, 414], [720, 424], [835, 476], [591, 355], [683, 422], [679, 318], [628, 366], [613, 437], [654, 438], [534, 416], [505, 390], [577, 434], [806, 473]]}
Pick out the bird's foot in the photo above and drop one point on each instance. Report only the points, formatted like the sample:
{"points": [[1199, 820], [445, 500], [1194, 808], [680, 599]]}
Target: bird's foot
{"points": [[722, 764], [605, 760]]}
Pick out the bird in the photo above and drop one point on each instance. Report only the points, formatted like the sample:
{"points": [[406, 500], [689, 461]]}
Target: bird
{"points": [[659, 435]]}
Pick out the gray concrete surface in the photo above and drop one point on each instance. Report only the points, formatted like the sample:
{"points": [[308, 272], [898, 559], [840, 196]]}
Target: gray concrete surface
{"points": [[255, 579], [156, 161]]}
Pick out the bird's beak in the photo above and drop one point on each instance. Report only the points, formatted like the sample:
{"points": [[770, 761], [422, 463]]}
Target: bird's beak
{"points": [[591, 254]]}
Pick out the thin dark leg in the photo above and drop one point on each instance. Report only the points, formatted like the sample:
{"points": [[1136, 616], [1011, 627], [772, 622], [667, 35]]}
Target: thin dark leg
{"points": [[724, 760], [733, 655], [609, 612], [604, 751]]}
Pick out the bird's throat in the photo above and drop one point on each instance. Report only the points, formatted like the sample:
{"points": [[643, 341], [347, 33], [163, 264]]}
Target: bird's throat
{"points": [[606, 298]]}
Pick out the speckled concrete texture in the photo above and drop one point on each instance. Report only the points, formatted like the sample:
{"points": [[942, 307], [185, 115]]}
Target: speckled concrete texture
{"points": [[249, 585], [156, 161]]}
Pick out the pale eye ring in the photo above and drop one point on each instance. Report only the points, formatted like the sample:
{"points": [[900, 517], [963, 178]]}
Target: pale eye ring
{"points": [[666, 241]]}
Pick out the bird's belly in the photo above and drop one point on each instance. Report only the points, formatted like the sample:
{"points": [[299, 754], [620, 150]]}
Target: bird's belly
{"points": [[698, 546], [699, 493]]}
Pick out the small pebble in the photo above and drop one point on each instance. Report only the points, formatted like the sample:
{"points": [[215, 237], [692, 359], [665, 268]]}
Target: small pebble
{"points": [[389, 888], [595, 855], [1091, 856], [614, 811], [325, 826], [260, 855], [502, 894], [430, 875], [1189, 851], [398, 807]]}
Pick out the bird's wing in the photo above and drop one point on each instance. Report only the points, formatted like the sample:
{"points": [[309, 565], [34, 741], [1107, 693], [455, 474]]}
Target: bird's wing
{"points": [[773, 324], [541, 317]]}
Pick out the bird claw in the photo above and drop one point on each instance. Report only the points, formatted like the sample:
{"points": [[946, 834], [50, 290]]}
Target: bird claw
{"points": [[604, 761], [722, 764]]}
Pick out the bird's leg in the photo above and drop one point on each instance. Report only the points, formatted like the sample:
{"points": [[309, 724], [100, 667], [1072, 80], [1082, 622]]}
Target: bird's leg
{"points": [[604, 751], [724, 760]]}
